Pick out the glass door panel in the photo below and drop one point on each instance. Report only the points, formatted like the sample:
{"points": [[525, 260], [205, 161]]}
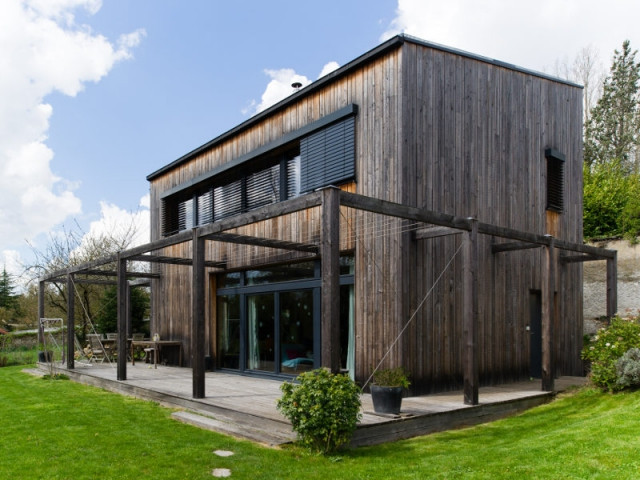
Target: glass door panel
{"points": [[260, 332], [296, 331], [228, 331]]}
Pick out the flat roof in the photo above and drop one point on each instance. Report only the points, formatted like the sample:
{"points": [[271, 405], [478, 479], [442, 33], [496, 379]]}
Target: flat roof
{"points": [[391, 44]]}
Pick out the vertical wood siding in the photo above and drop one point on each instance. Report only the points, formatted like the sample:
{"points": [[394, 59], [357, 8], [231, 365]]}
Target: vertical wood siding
{"points": [[439, 131]]}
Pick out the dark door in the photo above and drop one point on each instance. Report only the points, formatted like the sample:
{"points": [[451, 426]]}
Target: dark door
{"points": [[535, 334]]}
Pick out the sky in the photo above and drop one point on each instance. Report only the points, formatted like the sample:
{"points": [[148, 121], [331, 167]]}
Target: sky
{"points": [[97, 94]]}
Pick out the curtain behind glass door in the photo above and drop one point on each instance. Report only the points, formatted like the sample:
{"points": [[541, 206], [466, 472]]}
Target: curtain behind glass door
{"points": [[260, 332]]}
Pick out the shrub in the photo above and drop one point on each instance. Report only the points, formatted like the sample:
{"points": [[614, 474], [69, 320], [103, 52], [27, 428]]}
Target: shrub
{"points": [[628, 369], [606, 347], [391, 377], [323, 409]]}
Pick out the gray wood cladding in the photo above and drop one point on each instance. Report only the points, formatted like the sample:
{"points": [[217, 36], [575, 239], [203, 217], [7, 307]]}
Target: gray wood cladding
{"points": [[433, 130]]}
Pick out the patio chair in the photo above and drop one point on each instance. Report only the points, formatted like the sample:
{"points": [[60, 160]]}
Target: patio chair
{"points": [[99, 353]]}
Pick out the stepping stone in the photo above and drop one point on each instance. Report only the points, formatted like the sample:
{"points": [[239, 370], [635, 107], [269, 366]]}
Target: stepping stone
{"points": [[223, 453], [221, 472]]}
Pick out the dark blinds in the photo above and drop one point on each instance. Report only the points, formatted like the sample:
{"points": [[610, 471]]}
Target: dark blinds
{"points": [[169, 218], [555, 180], [263, 187], [205, 207], [328, 156], [227, 200], [185, 214]]}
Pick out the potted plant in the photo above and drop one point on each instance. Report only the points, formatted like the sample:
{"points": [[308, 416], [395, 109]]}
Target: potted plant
{"points": [[387, 388]]}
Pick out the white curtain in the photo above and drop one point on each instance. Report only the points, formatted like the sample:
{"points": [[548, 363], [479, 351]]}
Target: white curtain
{"points": [[253, 359], [351, 345]]}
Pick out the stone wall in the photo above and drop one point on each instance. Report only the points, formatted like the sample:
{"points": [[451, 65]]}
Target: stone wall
{"points": [[595, 287]]}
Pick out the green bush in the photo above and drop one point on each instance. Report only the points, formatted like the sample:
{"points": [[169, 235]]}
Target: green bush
{"points": [[324, 409], [606, 347], [628, 369]]}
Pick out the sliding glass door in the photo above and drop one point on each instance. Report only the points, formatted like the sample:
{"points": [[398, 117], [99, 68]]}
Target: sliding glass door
{"points": [[268, 320]]}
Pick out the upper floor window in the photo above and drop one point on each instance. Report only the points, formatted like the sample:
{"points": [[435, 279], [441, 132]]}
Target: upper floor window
{"points": [[323, 157], [555, 180]]}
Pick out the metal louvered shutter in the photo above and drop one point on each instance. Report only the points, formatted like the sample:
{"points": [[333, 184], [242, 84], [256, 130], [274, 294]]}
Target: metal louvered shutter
{"points": [[205, 207], [185, 214], [328, 156], [555, 180], [169, 217], [263, 187], [227, 200]]}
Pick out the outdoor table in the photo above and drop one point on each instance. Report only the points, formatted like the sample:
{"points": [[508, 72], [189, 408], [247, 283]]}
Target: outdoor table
{"points": [[157, 346]]}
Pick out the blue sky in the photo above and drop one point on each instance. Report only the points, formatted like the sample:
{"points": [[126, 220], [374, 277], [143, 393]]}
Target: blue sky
{"points": [[95, 95]]}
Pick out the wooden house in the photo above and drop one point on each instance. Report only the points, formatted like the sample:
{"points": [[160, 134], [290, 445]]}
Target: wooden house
{"points": [[418, 207]]}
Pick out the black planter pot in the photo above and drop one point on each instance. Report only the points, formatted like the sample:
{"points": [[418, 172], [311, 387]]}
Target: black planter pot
{"points": [[45, 357], [386, 399]]}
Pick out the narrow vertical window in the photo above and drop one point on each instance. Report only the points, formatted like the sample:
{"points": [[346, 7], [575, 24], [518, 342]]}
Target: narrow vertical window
{"points": [[555, 180], [293, 177]]}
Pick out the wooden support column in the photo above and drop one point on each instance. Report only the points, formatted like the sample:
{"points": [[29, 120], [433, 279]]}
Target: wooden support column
{"points": [[330, 258], [470, 315], [41, 286], [548, 314], [122, 317], [71, 326], [612, 285], [197, 318], [129, 328]]}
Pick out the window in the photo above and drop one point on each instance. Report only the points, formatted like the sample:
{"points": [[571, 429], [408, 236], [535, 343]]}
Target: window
{"points": [[328, 156], [315, 158], [555, 180]]}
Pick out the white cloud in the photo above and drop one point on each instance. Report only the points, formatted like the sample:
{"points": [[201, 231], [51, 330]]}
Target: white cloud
{"points": [[11, 260], [42, 51], [118, 223], [531, 34], [328, 68], [280, 86]]}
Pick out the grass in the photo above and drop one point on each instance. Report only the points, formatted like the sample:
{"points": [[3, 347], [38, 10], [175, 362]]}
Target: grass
{"points": [[58, 429]]}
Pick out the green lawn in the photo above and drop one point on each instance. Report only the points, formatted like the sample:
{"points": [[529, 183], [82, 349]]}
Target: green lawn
{"points": [[56, 429]]}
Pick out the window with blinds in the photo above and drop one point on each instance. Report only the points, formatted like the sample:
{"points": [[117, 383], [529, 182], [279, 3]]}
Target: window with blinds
{"points": [[328, 156], [227, 200], [321, 158], [555, 180], [263, 187]]}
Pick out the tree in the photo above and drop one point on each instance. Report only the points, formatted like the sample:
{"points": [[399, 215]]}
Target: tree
{"points": [[107, 316], [9, 306], [74, 247], [612, 130]]}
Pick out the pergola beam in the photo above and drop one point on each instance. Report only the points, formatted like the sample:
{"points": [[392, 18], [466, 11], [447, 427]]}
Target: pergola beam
{"points": [[174, 261], [262, 242], [511, 246], [435, 232]]}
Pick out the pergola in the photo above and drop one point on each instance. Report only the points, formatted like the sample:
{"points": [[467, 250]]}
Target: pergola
{"points": [[328, 249]]}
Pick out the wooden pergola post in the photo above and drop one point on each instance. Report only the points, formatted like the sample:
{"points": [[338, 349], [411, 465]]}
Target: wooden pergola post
{"points": [[612, 285], [41, 285], [330, 259], [197, 318], [71, 327], [121, 275], [470, 315], [548, 314]]}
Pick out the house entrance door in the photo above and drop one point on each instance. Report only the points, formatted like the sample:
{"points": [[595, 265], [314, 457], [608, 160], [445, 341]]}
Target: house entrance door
{"points": [[535, 334]]}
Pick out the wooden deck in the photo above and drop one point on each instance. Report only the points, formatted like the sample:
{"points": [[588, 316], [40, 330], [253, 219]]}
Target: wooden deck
{"points": [[245, 406]]}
